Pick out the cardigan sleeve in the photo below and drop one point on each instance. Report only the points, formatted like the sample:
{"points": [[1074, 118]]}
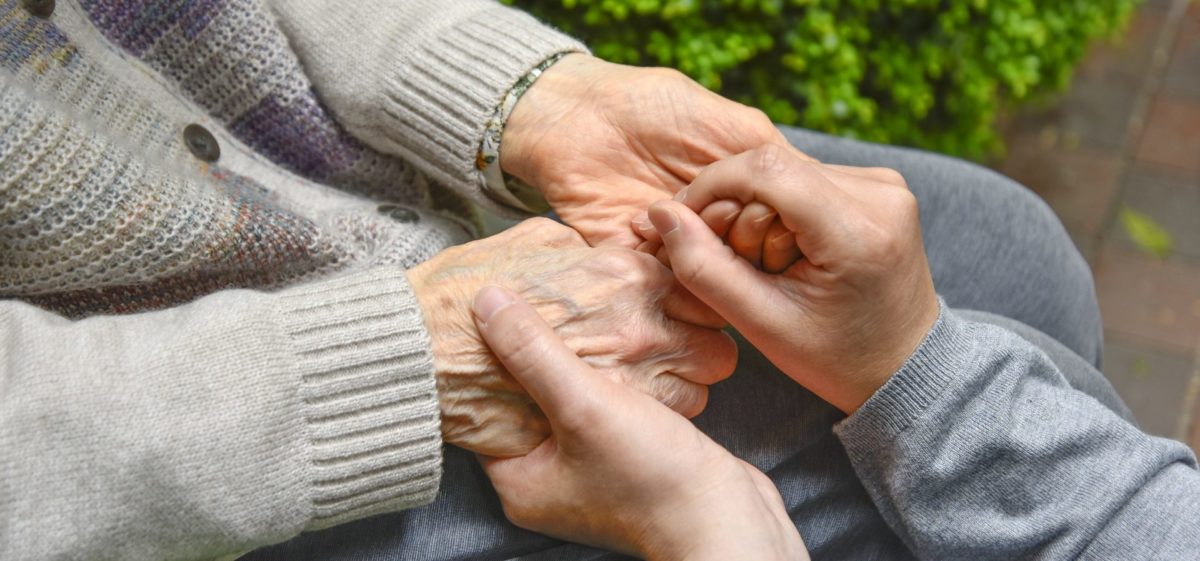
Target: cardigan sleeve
{"points": [[238, 420], [419, 79]]}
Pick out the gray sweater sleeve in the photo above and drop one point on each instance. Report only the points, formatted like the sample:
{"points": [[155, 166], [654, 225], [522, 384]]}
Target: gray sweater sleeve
{"points": [[979, 449], [238, 420]]}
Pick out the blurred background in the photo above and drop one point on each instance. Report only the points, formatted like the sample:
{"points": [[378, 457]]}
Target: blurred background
{"points": [[1093, 104]]}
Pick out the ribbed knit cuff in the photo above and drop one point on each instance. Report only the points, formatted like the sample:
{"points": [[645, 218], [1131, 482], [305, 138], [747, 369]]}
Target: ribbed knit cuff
{"points": [[449, 84], [367, 382], [923, 378]]}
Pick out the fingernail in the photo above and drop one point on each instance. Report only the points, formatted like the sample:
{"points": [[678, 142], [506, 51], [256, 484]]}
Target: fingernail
{"points": [[491, 299], [642, 222], [782, 240], [681, 195], [765, 217], [665, 220]]}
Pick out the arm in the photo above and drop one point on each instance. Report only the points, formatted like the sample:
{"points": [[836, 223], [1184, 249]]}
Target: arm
{"points": [[970, 441], [1026, 466], [419, 78], [236, 421]]}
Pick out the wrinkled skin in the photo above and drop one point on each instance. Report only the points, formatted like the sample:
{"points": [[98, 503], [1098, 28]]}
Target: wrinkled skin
{"points": [[603, 141], [620, 310]]}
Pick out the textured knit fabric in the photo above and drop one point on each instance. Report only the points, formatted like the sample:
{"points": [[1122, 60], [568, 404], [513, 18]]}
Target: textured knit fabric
{"points": [[200, 357], [978, 448]]}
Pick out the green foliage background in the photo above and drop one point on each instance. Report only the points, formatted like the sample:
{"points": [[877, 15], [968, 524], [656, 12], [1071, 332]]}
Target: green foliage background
{"points": [[927, 73]]}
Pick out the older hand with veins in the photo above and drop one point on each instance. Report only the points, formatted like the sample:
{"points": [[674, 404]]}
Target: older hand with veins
{"points": [[603, 141], [620, 310], [621, 471]]}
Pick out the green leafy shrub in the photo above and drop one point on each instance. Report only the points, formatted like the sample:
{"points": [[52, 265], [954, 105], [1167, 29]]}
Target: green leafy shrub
{"points": [[928, 73]]}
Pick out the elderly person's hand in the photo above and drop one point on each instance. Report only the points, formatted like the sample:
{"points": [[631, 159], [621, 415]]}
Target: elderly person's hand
{"points": [[620, 310], [621, 471], [844, 317], [603, 141]]}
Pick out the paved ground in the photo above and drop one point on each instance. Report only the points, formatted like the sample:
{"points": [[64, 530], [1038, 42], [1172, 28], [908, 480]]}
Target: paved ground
{"points": [[1127, 135]]}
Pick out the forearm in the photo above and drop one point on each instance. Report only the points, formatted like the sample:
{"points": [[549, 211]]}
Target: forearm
{"points": [[239, 420], [979, 449], [420, 78]]}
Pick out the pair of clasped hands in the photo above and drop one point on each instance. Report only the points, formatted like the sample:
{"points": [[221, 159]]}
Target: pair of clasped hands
{"points": [[821, 267]]}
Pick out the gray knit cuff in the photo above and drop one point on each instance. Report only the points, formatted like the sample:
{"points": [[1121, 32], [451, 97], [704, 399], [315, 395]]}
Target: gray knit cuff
{"points": [[468, 69], [923, 378], [366, 371]]}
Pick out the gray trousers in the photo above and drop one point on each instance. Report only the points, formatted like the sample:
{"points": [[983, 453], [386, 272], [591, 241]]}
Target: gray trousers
{"points": [[998, 255]]}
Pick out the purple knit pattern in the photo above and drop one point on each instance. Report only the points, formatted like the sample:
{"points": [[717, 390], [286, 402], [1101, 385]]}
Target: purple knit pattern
{"points": [[24, 39], [256, 70], [323, 151], [138, 24]]}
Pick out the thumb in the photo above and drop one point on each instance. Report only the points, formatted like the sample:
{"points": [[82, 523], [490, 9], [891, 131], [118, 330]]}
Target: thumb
{"points": [[706, 266], [555, 377]]}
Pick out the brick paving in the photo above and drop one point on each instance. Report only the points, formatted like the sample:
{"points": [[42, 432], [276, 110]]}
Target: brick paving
{"points": [[1127, 135]]}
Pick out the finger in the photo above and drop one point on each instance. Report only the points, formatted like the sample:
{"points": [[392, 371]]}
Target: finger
{"points": [[719, 216], [681, 305], [705, 265], [683, 396], [662, 256], [648, 247], [708, 356], [779, 251], [807, 201], [555, 377], [749, 231]]}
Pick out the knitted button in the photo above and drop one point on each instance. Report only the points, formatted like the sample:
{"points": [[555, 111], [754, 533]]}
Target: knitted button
{"points": [[400, 214], [39, 8], [202, 143]]}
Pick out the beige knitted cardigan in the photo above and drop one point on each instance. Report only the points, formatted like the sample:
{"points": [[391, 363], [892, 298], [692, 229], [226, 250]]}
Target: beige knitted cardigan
{"points": [[251, 180]]}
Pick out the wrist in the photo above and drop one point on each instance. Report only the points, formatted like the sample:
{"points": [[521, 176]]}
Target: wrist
{"points": [[729, 521], [558, 91]]}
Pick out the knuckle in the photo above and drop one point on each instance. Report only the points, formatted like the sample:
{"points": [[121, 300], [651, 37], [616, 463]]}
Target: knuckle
{"points": [[894, 177], [758, 116], [667, 73], [631, 267], [770, 161], [889, 176], [905, 206], [883, 244]]}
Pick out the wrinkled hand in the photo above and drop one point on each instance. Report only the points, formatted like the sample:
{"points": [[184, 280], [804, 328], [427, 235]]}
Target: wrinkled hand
{"points": [[603, 141], [844, 317], [621, 471], [620, 310]]}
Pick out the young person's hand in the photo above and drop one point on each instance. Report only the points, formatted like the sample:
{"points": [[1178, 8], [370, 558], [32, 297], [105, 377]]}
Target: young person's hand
{"points": [[621, 470], [844, 317]]}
